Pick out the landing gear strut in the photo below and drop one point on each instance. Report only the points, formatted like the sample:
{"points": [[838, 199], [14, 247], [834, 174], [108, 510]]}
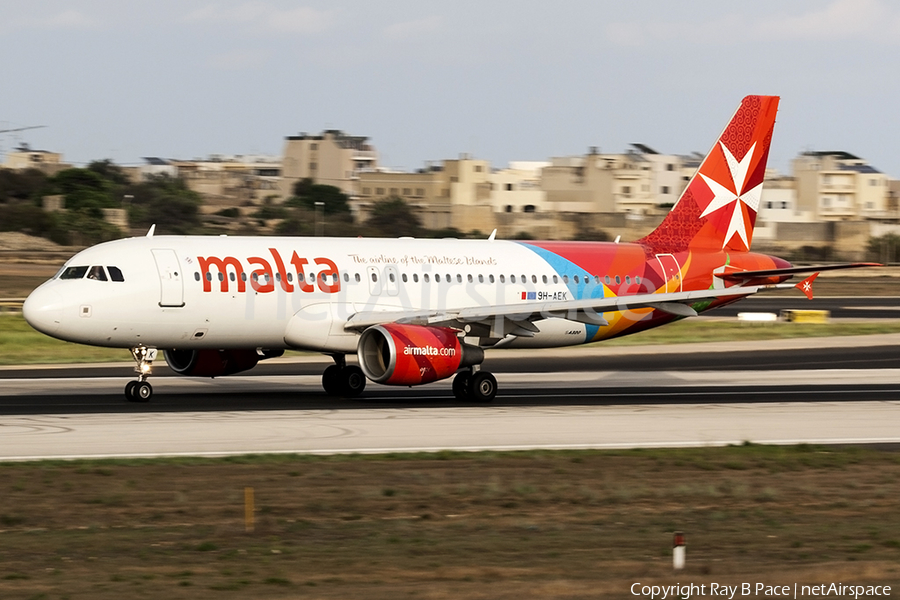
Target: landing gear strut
{"points": [[341, 379], [474, 385], [141, 390]]}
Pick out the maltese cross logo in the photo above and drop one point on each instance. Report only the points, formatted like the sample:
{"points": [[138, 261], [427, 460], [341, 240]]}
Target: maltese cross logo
{"points": [[730, 198]]}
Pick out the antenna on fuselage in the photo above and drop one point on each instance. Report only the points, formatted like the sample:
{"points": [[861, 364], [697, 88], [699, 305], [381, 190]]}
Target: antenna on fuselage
{"points": [[152, 229], [618, 237], [492, 236]]}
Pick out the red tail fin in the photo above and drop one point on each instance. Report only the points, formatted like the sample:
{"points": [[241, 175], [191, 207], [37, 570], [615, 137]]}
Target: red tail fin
{"points": [[718, 207]]}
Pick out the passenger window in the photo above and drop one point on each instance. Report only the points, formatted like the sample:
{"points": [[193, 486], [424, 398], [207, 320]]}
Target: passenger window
{"points": [[196, 276], [618, 280], [576, 279], [471, 279], [544, 279], [512, 278], [628, 280], [565, 279], [503, 279], [374, 277], [481, 279], [277, 277], [403, 277], [426, 277], [209, 276], [596, 279], [637, 279], [607, 280], [115, 274], [357, 277], [97, 273], [74, 273], [221, 276], [555, 279], [534, 279], [243, 277], [415, 278], [232, 277], [491, 278], [437, 277], [459, 278], [391, 277]]}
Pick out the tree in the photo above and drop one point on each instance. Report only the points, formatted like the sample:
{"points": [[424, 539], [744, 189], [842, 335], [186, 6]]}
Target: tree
{"points": [[884, 249], [307, 193], [21, 185], [109, 171], [393, 217], [164, 201]]}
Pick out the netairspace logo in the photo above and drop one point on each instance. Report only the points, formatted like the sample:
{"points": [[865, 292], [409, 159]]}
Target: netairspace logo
{"points": [[683, 592]]}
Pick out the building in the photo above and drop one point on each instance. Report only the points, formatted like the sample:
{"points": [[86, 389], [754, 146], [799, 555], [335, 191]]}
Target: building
{"points": [[332, 158], [452, 193], [838, 186], [518, 188], [25, 157], [639, 182]]}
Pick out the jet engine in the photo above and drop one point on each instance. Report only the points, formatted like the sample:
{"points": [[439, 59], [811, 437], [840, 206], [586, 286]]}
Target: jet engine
{"points": [[215, 363], [396, 354]]}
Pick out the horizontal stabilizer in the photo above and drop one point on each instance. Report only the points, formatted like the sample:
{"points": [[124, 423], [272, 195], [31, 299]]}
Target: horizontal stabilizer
{"points": [[746, 275]]}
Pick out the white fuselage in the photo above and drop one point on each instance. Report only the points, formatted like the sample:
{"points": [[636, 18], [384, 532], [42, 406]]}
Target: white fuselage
{"points": [[279, 292]]}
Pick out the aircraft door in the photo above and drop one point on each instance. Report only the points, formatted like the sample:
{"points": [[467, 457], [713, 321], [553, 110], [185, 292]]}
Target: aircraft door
{"points": [[374, 279], [671, 271], [171, 293]]}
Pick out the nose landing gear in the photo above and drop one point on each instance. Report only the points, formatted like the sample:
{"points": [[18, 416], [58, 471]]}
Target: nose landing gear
{"points": [[141, 390]]}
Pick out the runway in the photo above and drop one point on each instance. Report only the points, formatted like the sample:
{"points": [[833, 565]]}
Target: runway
{"points": [[852, 395]]}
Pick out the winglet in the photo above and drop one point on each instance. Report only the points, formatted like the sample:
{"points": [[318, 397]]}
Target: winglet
{"points": [[805, 286], [152, 229]]}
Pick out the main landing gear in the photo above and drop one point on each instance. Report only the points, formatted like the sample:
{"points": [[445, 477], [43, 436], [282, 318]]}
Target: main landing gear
{"points": [[474, 385], [341, 379], [141, 390]]}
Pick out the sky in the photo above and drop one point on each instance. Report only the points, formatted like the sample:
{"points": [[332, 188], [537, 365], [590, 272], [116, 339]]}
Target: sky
{"points": [[425, 80]]}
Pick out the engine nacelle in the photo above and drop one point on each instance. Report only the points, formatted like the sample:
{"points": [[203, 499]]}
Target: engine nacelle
{"points": [[214, 363], [412, 354]]}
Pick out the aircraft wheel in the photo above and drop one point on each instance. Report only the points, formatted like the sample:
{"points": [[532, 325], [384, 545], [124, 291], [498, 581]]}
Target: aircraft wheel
{"points": [[331, 380], [142, 391], [461, 386], [129, 391], [482, 387], [353, 381]]}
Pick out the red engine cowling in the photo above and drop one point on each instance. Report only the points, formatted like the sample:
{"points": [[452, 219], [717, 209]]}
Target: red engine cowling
{"points": [[211, 363], [412, 354]]}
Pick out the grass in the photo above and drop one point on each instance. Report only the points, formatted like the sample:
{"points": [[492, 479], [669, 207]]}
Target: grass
{"points": [[572, 524], [21, 345]]}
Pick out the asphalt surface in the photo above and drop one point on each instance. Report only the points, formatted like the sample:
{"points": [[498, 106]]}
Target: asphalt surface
{"points": [[850, 307]]}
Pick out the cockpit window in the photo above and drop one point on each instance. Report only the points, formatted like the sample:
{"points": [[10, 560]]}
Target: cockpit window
{"points": [[115, 274], [74, 273], [97, 273]]}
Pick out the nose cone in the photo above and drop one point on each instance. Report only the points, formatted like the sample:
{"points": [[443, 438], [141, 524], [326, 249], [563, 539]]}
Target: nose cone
{"points": [[43, 310]]}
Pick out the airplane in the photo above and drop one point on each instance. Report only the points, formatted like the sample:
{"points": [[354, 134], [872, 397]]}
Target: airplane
{"points": [[414, 311]]}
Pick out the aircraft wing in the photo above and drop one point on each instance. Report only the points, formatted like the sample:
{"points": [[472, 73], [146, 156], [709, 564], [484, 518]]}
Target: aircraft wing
{"points": [[517, 319]]}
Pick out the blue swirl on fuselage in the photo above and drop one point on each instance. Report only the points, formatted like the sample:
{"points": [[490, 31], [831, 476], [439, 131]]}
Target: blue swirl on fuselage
{"points": [[587, 286]]}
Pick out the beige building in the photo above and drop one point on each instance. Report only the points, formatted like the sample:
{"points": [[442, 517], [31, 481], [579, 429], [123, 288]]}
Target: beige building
{"points": [[838, 186], [332, 158], [453, 193], [24, 157], [637, 182], [232, 180]]}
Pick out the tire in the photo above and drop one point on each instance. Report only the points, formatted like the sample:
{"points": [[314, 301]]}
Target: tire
{"points": [[143, 391], [461, 386], [129, 391], [353, 381], [331, 380], [482, 387]]}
